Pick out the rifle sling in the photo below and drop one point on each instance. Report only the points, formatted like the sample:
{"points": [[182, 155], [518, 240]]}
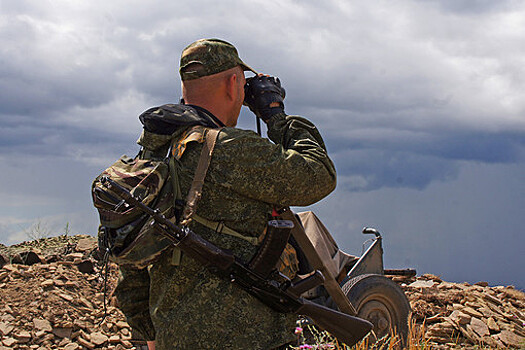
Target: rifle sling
{"points": [[195, 192], [275, 240]]}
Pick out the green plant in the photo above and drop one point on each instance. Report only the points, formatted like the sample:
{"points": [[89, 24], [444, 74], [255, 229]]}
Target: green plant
{"points": [[67, 229]]}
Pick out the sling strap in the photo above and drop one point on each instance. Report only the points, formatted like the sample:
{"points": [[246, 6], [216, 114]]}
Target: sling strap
{"points": [[195, 192]]}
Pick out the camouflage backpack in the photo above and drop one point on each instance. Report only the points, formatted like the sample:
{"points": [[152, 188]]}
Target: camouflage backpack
{"points": [[127, 235]]}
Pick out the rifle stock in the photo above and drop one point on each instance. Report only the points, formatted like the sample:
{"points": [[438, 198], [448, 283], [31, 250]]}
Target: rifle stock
{"points": [[280, 296]]}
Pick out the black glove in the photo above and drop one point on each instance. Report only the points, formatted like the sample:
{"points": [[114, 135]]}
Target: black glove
{"points": [[260, 92]]}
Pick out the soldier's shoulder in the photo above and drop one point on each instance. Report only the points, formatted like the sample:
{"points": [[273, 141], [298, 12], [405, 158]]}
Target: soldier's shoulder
{"points": [[229, 134]]}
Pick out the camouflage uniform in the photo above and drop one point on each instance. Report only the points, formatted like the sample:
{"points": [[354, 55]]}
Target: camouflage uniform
{"points": [[176, 301], [183, 305]]}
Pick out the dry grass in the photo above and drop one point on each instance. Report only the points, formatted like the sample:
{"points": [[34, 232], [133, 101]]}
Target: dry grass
{"points": [[416, 340]]}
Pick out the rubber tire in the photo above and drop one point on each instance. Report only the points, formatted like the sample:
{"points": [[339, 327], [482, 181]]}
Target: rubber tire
{"points": [[379, 299]]}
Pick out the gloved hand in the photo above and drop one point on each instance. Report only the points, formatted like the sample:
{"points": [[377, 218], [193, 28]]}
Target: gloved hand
{"points": [[264, 96]]}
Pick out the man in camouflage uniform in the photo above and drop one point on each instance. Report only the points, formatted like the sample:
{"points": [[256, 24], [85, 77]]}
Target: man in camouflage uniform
{"points": [[176, 303]]}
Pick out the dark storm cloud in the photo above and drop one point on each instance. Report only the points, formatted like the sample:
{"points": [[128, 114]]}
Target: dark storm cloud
{"points": [[420, 103]]}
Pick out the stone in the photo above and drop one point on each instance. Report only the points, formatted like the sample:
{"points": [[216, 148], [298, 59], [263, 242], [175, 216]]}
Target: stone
{"points": [[73, 256], [86, 244], [86, 266], [421, 284], [488, 340], [85, 343], [492, 299], [42, 325], [3, 260], [493, 325], [5, 328], [481, 284], [62, 332], [511, 339], [98, 338], [85, 302], [122, 324], [66, 297], [114, 339], [460, 317], [47, 283], [22, 336], [9, 342], [72, 346], [26, 258], [470, 311], [479, 327]]}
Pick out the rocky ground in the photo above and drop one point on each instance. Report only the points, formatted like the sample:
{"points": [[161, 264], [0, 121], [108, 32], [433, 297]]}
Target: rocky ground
{"points": [[51, 294], [472, 315]]}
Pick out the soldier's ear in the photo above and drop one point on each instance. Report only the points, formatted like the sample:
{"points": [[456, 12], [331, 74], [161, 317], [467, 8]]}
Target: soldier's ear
{"points": [[231, 86]]}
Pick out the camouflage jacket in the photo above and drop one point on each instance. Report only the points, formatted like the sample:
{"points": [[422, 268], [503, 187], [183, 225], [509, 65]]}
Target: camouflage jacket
{"points": [[182, 305]]}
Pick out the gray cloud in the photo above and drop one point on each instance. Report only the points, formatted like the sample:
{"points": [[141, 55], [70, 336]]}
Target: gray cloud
{"points": [[407, 95]]}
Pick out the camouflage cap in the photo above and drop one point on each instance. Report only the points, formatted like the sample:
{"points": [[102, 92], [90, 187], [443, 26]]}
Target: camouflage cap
{"points": [[207, 57]]}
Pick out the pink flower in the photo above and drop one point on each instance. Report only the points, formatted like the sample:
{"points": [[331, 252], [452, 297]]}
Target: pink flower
{"points": [[298, 330], [306, 346]]}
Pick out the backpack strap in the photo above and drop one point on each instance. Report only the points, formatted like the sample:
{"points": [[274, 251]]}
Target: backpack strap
{"points": [[195, 192]]}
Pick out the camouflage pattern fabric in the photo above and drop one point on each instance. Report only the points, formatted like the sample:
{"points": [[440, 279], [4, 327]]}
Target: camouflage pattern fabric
{"points": [[189, 307], [207, 57]]}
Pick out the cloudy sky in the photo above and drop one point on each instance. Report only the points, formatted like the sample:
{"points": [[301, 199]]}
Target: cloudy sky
{"points": [[421, 104]]}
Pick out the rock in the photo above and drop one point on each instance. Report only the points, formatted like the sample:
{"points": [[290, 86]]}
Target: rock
{"points": [[85, 343], [72, 346], [421, 284], [493, 326], [66, 296], [26, 258], [62, 332], [470, 311], [98, 338], [511, 339], [481, 284], [86, 266], [5, 328], [122, 324], [47, 283], [73, 256], [479, 327], [492, 299], [3, 260], [9, 342], [42, 325], [22, 336], [86, 244], [114, 339]]}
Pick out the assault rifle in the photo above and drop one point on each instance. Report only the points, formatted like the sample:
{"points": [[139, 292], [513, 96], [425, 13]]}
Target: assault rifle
{"points": [[278, 293]]}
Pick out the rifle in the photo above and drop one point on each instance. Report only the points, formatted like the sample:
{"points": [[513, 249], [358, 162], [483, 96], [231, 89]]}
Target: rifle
{"points": [[279, 293]]}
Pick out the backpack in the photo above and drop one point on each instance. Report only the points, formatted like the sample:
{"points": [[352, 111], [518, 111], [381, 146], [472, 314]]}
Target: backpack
{"points": [[127, 235]]}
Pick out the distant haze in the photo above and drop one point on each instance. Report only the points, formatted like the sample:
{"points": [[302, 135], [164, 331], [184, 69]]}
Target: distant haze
{"points": [[421, 104]]}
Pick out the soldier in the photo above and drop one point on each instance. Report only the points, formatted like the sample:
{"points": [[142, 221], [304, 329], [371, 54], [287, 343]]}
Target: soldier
{"points": [[176, 303]]}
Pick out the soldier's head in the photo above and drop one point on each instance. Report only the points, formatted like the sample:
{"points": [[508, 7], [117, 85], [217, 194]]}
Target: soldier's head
{"points": [[212, 77]]}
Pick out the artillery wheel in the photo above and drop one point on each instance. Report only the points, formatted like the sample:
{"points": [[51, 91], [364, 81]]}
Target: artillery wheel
{"points": [[380, 301]]}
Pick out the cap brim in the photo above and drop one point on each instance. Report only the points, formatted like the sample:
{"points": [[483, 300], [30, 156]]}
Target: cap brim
{"points": [[246, 67]]}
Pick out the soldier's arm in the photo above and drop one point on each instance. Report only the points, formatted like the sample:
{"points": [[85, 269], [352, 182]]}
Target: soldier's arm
{"points": [[294, 169], [132, 295]]}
